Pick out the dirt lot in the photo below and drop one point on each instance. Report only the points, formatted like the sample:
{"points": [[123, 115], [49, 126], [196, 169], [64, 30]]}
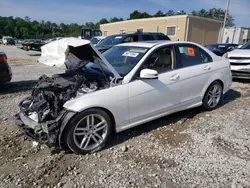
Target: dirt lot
{"points": [[187, 149]]}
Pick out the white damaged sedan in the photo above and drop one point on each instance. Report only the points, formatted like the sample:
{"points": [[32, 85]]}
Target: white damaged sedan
{"points": [[128, 85]]}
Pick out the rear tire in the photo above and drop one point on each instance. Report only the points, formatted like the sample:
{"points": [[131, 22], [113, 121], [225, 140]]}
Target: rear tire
{"points": [[88, 132], [213, 96]]}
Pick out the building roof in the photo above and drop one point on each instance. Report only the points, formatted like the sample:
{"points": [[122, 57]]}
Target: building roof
{"points": [[162, 18]]}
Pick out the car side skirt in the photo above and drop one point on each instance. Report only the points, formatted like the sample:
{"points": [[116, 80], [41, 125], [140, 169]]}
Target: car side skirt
{"points": [[182, 108]]}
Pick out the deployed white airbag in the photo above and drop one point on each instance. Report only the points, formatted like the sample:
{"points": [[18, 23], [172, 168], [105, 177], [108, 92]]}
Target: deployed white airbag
{"points": [[55, 53]]}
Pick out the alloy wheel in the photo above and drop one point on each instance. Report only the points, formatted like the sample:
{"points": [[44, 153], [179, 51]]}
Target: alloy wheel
{"points": [[214, 95], [90, 132]]}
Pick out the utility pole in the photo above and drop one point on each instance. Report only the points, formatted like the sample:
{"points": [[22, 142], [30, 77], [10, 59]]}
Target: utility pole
{"points": [[225, 20]]}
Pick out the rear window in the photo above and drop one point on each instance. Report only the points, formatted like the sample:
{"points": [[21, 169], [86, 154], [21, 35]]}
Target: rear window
{"points": [[132, 38], [162, 37], [147, 37], [111, 40]]}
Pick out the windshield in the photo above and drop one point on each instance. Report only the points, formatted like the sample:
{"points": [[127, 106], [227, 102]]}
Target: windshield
{"points": [[124, 58], [95, 40], [246, 45], [111, 40]]}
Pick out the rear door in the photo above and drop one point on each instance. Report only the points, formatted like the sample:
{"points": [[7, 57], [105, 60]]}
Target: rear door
{"points": [[196, 68]]}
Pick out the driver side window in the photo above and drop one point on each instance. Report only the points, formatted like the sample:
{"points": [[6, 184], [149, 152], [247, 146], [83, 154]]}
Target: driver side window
{"points": [[161, 60]]}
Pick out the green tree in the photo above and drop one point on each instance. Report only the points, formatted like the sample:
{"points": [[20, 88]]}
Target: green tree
{"points": [[103, 21], [27, 18], [181, 12], [214, 13], [115, 19], [194, 13], [159, 14], [90, 25], [170, 13], [25, 28], [138, 15], [202, 13]]}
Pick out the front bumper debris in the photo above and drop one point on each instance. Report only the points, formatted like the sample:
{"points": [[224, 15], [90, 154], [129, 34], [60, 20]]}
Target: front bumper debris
{"points": [[45, 133]]}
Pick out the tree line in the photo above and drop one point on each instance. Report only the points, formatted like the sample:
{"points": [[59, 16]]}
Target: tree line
{"points": [[24, 28]]}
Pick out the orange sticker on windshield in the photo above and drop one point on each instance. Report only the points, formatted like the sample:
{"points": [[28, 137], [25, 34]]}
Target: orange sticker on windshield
{"points": [[191, 52]]}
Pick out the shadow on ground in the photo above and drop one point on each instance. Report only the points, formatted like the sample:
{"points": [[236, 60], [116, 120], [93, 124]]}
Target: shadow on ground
{"points": [[153, 125], [34, 54], [13, 87], [230, 96]]}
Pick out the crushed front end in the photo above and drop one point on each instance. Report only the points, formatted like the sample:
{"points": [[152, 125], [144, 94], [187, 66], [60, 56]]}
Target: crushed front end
{"points": [[42, 116], [42, 113]]}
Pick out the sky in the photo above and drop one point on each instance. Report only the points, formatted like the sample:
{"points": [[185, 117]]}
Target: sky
{"points": [[81, 11]]}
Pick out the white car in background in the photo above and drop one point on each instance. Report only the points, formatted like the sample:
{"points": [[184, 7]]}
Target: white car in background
{"points": [[130, 84], [5, 39], [240, 61], [97, 39]]}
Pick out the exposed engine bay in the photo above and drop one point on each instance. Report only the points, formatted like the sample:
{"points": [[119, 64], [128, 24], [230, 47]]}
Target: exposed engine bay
{"points": [[50, 94], [42, 114]]}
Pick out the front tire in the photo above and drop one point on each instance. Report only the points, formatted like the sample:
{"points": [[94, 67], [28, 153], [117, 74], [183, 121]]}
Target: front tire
{"points": [[88, 131], [213, 96]]}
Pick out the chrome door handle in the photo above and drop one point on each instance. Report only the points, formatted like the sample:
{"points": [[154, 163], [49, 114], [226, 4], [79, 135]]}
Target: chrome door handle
{"points": [[175, 77], [207, 68]]}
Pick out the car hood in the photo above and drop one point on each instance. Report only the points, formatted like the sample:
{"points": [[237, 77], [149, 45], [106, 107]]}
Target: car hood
{"points": [[57, 53], [239, 53]]}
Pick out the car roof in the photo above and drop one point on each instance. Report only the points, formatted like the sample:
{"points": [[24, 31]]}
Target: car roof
{"points": [[150, 44], [221, 44]]}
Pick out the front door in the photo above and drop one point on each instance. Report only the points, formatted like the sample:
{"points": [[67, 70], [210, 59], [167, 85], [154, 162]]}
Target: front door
{"points": [[152, 97]]}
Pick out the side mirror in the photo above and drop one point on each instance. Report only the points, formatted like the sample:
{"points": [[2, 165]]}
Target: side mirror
{"points": [[148, 74]]}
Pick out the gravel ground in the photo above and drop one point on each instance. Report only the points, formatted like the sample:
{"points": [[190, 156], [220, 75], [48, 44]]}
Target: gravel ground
{"points": [[187, 149]]}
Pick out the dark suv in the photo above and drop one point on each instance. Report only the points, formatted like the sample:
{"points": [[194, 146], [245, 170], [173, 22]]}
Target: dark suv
{"points": [[10, 41], [112, 40]]}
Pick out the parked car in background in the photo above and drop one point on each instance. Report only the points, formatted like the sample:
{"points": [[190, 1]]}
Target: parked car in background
{"points": [[88, 33], [19, 41], [221, 49], [32, 44], [5, 38], [5, 70], [240, 61], [112, 40], [10, 41], [96, 40], [128, 85]]}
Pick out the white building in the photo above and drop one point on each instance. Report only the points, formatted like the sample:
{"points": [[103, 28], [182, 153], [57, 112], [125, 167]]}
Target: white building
{"points": [[236, 35]]}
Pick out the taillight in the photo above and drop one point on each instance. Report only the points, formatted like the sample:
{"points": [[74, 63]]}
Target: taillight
{"points": [[3, 58]]}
